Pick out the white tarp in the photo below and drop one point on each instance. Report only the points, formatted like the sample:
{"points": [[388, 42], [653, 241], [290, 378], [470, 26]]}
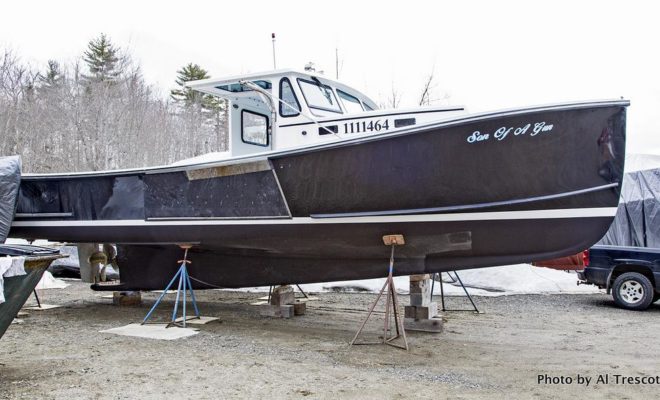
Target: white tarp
{"points": [[10, 266]]}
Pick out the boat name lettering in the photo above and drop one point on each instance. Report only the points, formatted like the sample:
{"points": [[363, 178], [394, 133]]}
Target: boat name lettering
{"points": [[503, 132], [477, 137], [367, 126]]}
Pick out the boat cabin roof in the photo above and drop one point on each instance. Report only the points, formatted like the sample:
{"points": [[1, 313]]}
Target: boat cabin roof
{"points": [[231, 87]]}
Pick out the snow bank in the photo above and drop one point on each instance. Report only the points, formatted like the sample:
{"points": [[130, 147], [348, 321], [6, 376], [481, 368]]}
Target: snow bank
{"points": [[494, 281], [524, 279], [204, 158], [48, 281]]}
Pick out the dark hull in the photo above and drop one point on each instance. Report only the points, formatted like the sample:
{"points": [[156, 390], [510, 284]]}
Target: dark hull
{"points": [[319, 214], [19, 288]]}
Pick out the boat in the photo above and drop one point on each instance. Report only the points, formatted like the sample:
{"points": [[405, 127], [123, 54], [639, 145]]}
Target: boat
{"points": [[18, 288], [317, 174]]}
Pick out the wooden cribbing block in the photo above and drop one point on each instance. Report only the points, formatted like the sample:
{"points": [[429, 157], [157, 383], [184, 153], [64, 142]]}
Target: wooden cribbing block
{"points": [[282, 295], [299, 308], [417, 278], [433, 325], [269, 310], [420, 290], [421, 312]]}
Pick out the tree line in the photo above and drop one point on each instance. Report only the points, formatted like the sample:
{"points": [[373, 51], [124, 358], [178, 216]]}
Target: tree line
{"points": [[99, 113]]}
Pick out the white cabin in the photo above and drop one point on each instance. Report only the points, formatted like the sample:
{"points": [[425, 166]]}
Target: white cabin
{"points": [[287, 109]]}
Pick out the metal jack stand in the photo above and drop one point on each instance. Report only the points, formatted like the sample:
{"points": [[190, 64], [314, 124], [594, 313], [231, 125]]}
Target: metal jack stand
{"points": [[184, 285], [442, 292], [37, 297], [390, 299]]}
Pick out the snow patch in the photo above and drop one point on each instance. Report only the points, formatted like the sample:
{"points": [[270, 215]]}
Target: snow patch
{"points": [[48, 281], [493, 281]]}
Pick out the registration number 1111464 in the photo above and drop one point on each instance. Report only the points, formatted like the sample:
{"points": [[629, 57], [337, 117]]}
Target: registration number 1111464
{"points": [[366, 126]]}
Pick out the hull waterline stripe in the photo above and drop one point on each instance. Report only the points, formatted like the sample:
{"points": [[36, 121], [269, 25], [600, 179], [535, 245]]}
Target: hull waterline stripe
{"points": [[457, 217], [469, 206]]}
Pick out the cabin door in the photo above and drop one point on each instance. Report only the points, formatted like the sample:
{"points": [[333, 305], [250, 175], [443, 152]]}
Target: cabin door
{"points": [[251, 130]]}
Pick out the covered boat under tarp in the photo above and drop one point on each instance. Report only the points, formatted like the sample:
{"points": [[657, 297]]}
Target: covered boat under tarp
{"points": [[637, 221], [10, 181]]}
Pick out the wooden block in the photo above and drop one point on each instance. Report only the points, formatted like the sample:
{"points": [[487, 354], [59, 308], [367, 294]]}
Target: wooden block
{"points": [[299, 308], [417, 278], [421, 312], [269, 310], [410, 312], [282, 295], [433, 325], [126, 298], [427, 312], [417, 299], [287, 310], [396, 239]]}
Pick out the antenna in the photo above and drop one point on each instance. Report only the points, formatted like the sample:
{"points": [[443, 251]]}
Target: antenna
{"points": [[273, 37]]}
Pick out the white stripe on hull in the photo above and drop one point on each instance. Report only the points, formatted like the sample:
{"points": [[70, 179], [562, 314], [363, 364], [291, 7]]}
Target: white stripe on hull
{"points": [[455, 217]]}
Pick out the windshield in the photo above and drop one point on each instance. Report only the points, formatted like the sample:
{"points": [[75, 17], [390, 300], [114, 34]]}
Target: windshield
{"points": [[319, 96]]}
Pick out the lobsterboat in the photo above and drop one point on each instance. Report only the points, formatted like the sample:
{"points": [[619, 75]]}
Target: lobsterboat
{"points": [[317, 174]]}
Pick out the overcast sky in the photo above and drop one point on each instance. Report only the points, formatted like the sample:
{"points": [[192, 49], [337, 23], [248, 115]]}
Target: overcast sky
{"points": [[486, 54]]}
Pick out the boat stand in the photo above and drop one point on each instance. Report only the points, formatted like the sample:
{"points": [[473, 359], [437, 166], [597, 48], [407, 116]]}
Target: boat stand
{"points": [[442, 292], [184, 286], [390, 300], [36, 296]]}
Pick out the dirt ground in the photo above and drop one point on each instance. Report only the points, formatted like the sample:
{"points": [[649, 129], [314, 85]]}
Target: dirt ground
{"points": [[60, 354]]}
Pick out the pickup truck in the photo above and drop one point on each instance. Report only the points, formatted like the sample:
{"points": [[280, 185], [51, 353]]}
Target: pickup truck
{"points": [[631, 274]]}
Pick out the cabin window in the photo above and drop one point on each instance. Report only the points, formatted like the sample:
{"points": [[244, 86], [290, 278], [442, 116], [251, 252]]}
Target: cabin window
{"points": [[289, 106], [238, 88], [351, 103], [319, 96], [254, 128]]}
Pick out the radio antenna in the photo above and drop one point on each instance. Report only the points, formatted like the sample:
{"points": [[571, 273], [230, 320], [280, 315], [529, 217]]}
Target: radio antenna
{"points": [[274, 64]]}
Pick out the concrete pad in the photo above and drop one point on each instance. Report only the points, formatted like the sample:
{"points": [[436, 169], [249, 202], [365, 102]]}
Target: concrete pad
{"points": [[260, 303], [202, 320], [152, 331], [43, 307]]}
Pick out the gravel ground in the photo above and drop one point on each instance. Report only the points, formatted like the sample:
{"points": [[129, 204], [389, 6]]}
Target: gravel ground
{"points": [[498, 354]]}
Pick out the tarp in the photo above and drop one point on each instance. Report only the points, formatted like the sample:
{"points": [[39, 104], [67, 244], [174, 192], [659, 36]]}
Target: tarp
{"points": [[10, 180], [637, 221]]}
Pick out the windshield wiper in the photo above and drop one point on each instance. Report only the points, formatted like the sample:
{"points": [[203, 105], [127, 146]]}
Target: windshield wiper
{"points": [[323, 89]]}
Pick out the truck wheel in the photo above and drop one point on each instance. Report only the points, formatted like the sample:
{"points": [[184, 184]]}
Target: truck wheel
{"points": [[632, 291]]}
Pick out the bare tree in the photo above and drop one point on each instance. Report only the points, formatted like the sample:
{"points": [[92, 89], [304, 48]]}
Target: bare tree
{"points": [[395, 98], [63, 120], [428, 95]]}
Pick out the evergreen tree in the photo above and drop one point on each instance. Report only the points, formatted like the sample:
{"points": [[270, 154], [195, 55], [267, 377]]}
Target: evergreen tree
{"points": [[53, 76], [190, 72], [103, 60]]}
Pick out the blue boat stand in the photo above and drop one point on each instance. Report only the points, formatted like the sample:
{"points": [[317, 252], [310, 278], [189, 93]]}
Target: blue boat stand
{"points": [[184, 286]]}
